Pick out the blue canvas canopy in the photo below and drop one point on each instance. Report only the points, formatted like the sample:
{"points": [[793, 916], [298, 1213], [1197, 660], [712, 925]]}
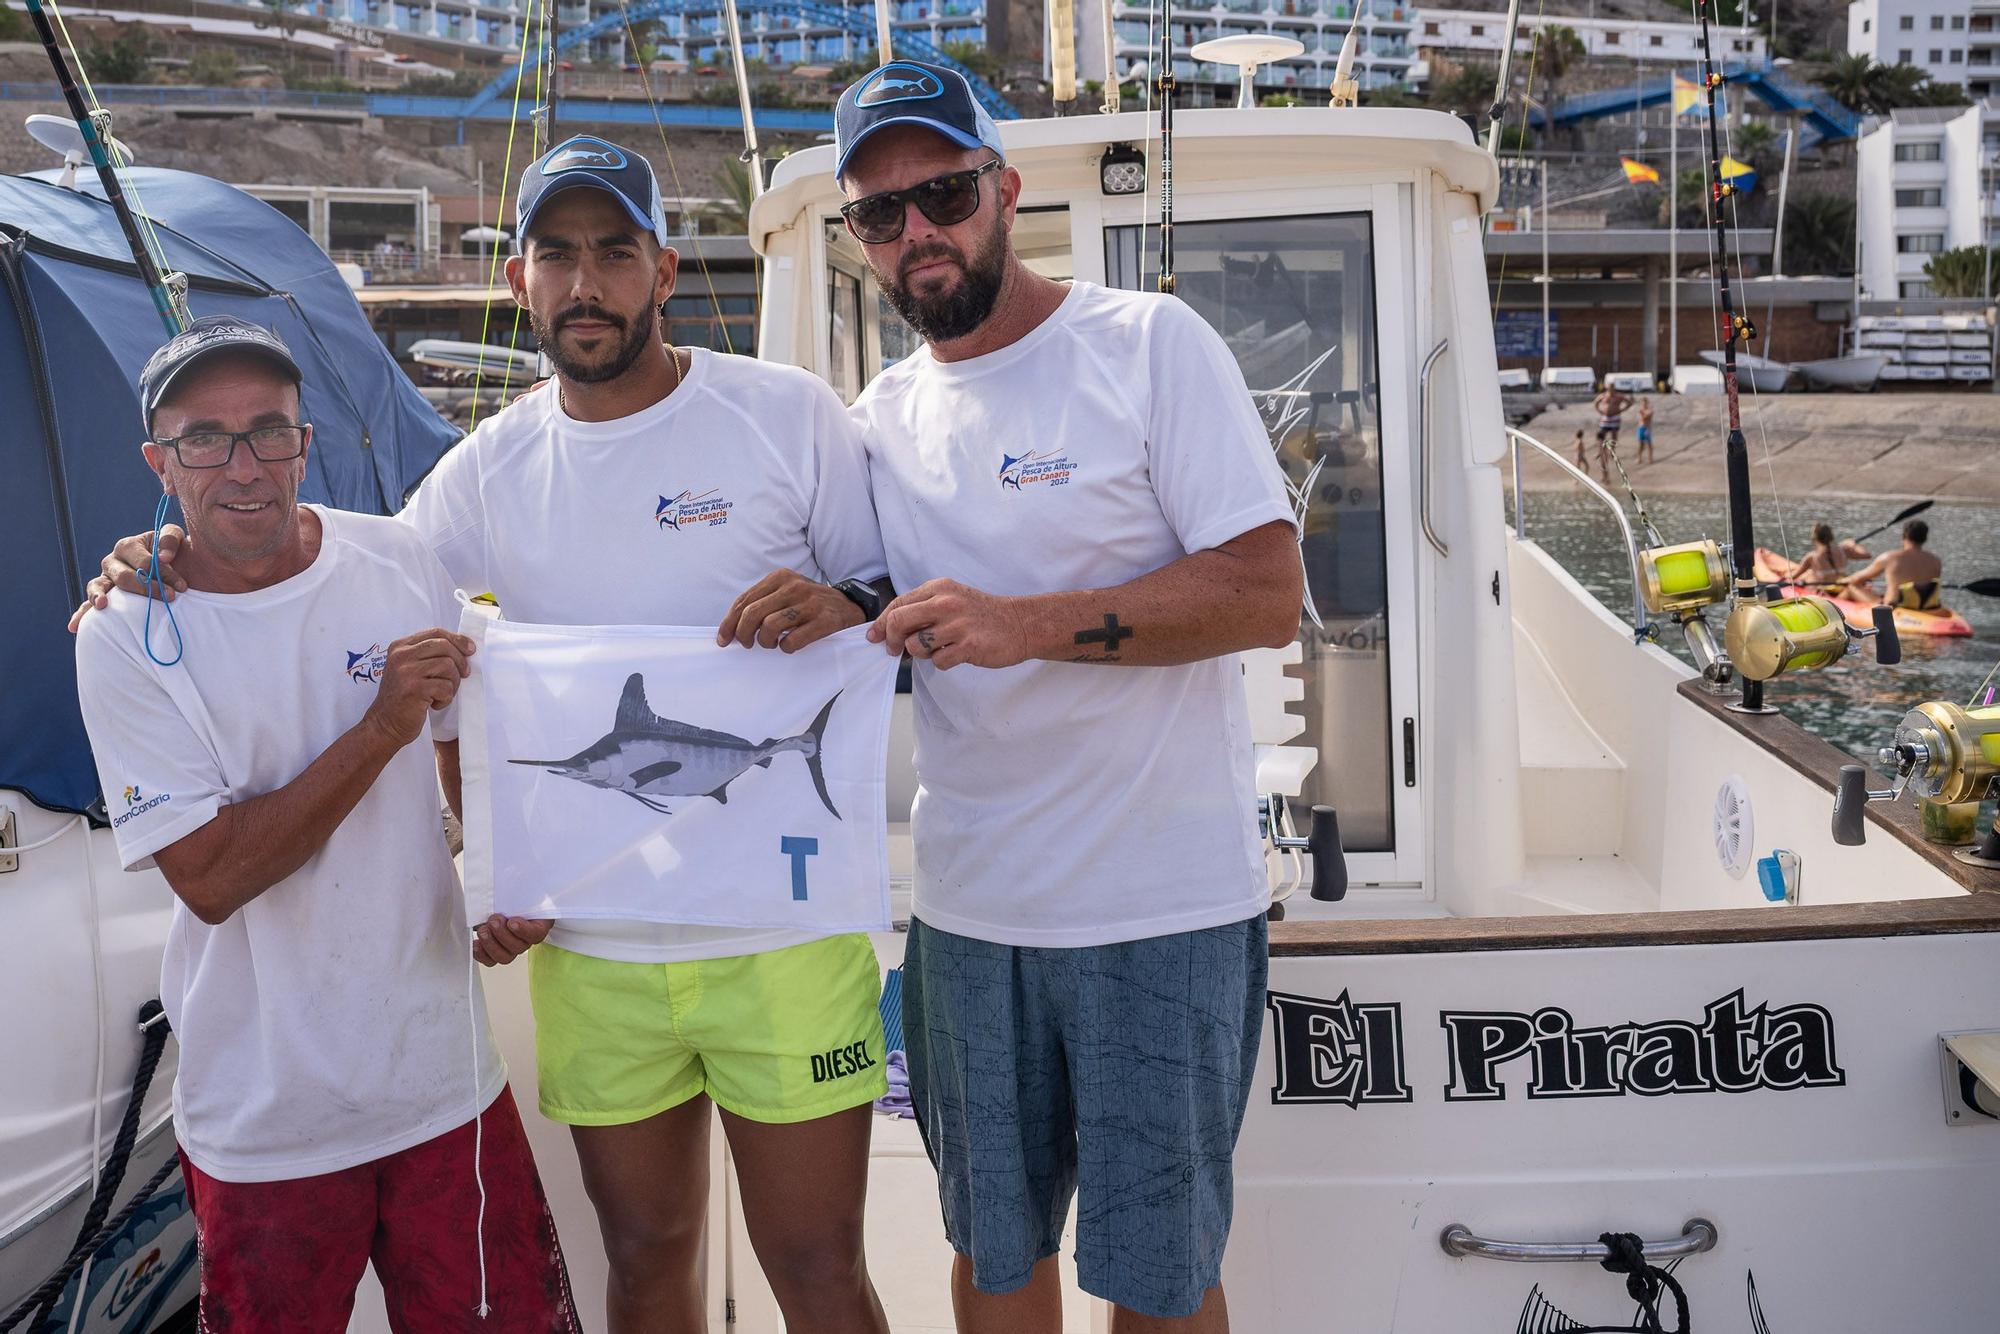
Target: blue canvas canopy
{"points": [[75, 327]]}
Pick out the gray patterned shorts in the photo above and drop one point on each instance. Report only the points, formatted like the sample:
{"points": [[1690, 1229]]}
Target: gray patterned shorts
{"points": [[1115, 1073]]}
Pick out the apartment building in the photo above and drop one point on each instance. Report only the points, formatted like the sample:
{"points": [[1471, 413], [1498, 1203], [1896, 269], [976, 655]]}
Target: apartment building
{"points": [[1477, 35], [1939, 166], [1383, 55], [696, 35], [1933, 35]]}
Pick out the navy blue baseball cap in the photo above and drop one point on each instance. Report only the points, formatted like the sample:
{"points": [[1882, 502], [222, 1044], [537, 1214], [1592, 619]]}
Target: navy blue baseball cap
{"points": [[588, 160], [904, 92], [208, 337]]}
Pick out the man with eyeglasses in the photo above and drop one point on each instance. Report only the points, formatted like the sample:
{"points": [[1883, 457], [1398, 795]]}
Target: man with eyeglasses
{"points": [[1084, 515], [339, 1099]]}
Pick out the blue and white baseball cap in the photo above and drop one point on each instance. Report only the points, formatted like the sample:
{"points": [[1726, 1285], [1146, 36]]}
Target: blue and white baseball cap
{"points": [[904, 92], [588, 160], [201, 340]]}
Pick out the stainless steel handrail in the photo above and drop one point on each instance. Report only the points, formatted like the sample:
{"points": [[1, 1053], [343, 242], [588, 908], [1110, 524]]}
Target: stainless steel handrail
{"points": [[1515, 439], [1424, 446], [1699, 1235]]}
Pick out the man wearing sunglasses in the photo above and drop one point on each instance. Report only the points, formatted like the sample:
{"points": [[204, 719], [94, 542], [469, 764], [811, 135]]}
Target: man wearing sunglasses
{"points": [[260, 750], [1080, 503]]}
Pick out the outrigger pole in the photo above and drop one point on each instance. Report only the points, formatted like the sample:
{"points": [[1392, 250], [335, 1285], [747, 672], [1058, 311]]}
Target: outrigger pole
{"points": [[1503, 86], [1733, 329], [1163, 79], [169, 290]]}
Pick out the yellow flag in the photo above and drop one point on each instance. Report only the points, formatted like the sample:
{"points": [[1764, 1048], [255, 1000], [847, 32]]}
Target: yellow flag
{"points": [[1687, 95], [1638, 173]]}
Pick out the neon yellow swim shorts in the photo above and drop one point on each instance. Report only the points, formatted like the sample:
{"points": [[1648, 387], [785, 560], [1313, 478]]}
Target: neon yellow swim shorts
{"points": [[786, 1035]]}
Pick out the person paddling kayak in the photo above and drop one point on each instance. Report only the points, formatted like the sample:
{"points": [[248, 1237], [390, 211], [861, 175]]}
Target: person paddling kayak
{"points": [[1911, 576]]}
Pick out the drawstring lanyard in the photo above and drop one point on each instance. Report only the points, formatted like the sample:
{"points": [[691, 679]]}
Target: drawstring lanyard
{"points": [[154, 587]]}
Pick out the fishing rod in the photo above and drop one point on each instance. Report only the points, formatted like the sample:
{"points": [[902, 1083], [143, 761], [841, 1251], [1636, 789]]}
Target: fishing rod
{"points": [[1734, 329], [169, 290], [1163, 80], [1762, 638], [753, 157], [1652, 531]]}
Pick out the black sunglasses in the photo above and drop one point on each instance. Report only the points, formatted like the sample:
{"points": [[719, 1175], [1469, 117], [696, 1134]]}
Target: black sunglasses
{"points": [[946, 200], [214, 449]]}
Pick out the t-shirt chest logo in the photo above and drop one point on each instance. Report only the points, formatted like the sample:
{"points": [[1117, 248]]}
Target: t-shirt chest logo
{"points": [[689, 509], [1035, 469], [365, 667]]}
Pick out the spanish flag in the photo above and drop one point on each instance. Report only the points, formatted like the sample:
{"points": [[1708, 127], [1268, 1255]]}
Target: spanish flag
{"points": [[1687, 95], [1638, 173], [1739, 174]]}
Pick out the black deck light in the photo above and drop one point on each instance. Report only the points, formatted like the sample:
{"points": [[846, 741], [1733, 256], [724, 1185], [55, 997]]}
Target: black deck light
{"points": [[1122, 170]]}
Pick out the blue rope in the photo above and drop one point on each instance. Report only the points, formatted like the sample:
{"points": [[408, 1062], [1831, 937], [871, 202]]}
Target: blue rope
{"points": [[154, 585]]}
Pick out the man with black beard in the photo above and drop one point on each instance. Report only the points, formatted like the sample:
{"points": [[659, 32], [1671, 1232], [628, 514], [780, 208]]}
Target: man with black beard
{"points": [[1084, 977], [653, 485]]}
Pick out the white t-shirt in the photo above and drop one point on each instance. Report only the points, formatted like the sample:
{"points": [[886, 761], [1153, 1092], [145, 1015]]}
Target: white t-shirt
{"points": [[659, 518], [1064, 804], [325, 1023]]}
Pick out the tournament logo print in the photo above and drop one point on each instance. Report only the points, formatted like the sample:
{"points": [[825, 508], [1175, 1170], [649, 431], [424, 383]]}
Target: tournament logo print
{"points": [[899, 83], [688, 510], [653, 759], [1539, 1315], [586, 153], [1035, 468], [366, 667]]}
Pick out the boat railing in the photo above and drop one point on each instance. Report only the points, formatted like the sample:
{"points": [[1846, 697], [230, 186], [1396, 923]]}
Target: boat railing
{"points": [[1517, 438]]}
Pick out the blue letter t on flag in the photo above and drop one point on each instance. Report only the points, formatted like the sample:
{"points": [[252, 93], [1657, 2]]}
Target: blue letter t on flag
{"points": [[798, 849]]}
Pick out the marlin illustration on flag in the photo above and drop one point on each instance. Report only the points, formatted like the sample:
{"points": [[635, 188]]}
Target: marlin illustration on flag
{"points": [[650, 758]]}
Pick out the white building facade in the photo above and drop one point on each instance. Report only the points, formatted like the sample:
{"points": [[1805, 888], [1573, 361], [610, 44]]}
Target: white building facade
{"points": [[1928, 178], [1933, 35], [1478, 34]]}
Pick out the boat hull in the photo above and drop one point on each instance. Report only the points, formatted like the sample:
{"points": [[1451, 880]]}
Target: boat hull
{"points": [[1419, 1091], [1853, 373], [1940, 622]]}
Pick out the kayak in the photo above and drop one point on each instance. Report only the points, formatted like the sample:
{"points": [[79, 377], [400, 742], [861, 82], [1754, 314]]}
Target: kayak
{"points": [[1941, 621]]}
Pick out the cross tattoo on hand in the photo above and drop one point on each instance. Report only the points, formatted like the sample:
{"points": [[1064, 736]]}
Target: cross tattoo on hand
{"points": [[1109, 636]]}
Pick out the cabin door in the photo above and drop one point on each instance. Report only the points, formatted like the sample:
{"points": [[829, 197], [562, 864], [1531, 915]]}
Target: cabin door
{"points": [[1314, 305]]}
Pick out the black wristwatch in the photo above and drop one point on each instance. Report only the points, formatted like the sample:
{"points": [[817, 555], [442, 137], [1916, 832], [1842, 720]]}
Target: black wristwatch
{"points": [[865, 596]]}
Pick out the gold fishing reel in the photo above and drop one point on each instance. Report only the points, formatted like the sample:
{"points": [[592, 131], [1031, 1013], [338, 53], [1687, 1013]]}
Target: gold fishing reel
{"points": [[1801, 634], [1942, 752], [1676, 580]]}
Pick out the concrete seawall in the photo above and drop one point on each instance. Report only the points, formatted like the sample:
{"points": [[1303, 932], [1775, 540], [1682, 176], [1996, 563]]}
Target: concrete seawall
{"points": [[1888, 445]]}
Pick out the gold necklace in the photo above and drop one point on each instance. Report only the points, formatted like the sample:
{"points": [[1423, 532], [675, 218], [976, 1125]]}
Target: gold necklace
{"points": [[673, 355]]}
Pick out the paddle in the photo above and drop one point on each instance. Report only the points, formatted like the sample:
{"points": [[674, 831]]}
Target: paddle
{"points": [[1986, 588], [1910, 513]]}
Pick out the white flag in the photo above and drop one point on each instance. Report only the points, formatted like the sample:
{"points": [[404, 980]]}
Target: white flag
{"points": [[642, 773]]}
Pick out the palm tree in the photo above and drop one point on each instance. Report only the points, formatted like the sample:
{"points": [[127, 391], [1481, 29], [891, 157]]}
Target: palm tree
{"points": [[1561, 51], [1960, 272], [1847, 81], [1819, 234]]}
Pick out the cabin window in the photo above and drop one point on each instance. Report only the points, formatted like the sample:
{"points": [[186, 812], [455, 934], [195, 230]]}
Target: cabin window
{"points": [[1294, 299], [845, 334]]}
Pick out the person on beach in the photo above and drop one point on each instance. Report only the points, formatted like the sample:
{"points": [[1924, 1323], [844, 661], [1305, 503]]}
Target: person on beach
{"points": [[1645, 415], [1911, 576], [550, 505], [1582, 457], [339, 1100], [1073, 484], [1610, 405], [1824, 565]]}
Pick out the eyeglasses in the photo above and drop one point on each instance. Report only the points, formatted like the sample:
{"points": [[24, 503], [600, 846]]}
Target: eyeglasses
{"points": [[214, 449], [946, 200]]}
